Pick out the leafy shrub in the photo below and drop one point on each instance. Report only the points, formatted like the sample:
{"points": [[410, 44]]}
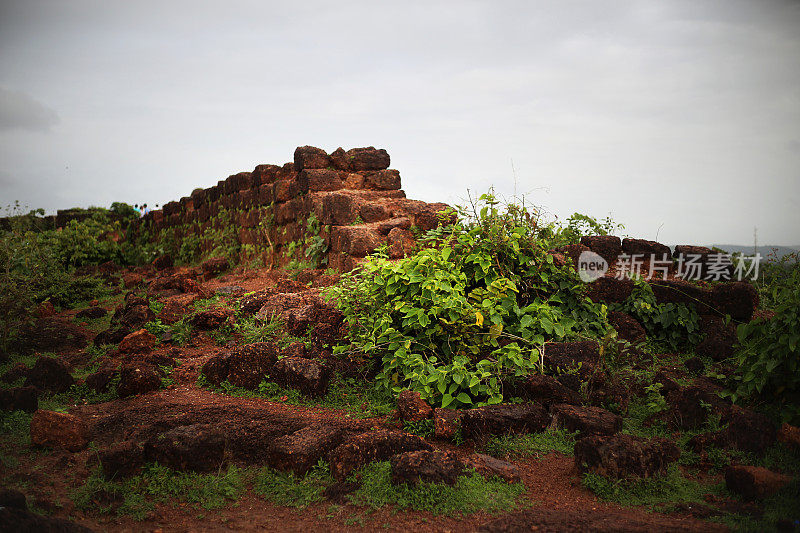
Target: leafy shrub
{"points": [[467, 310], [768, 355]]}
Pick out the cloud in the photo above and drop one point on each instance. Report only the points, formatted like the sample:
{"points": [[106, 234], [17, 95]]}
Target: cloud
{"points": [[20, 111]]}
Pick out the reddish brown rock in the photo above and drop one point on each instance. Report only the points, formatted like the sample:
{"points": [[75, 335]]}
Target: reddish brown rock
{"points": [[754, 482], [138, 379], [301, 450], [739, 299], [49, 374], [51, 335], [565, 356], [628, 328], [215, 370], [322, 180], [173, 311], [383, 179], [586, 420], [446, 422], [489, 466], [214, 266], [121, 460], [481, 422], [163, 262], [606, 246], [412, 408], [20, 399], [748, 430], [310, 157], [426, 466], [137, 342], [211, 318], [546, 390], [624, 456], [310, 376], [377, 445], [198, 447], [59, 430], [790, 435], [646, 248], [609, 290], [247, 366], [367, 159]]}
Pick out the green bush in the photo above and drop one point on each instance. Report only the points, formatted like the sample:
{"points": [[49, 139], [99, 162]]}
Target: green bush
{"points": [[472, 307], [768, 355]]}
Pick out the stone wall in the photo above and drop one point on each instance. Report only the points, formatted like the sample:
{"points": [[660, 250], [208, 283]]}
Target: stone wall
{"points": [[341, 206]]}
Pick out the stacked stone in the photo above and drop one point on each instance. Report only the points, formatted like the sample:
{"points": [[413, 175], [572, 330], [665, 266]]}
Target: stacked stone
{"points": [[353, 194]]}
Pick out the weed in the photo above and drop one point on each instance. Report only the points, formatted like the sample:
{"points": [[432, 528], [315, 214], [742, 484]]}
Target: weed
{"points": [[423, 428], [533, 444], [294, 491], [470, 494]]}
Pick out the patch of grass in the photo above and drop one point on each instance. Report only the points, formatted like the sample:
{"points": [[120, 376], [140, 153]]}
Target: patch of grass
{"points": [[423, 428], [533, 444], [672, 487], [253, 330], [638, 422], [14, 433], [470, 494], [293, 491], [157, 484]]}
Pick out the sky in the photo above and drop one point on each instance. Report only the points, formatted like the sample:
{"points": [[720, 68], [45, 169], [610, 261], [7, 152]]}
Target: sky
{"points": [[681, 119]]}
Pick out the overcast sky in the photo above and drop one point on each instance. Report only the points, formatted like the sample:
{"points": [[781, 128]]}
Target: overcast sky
{"points": [[681, 119]]}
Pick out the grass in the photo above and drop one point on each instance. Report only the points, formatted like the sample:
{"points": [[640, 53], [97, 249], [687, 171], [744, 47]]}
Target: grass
{"points": [[290, 490], [360, 398], [424, 428], [158, 484], [671, 487], [784, 507], [533, 444], [470, 494]]}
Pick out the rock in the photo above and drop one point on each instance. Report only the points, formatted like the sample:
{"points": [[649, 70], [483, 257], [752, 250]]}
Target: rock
{"points": [[49, 374], [59, 430], [489, 466], [139, 341], [609, 390], [214, 266], [51, 335], [197, 447], [339, 159], [628, 328], [121, 459], [446, 422], [215, 370], [739, 299], [101, 380], [131, 279], [251, 303], [163, 262], [646, 248], [13, 498], [45, 309], [412, 408], [322, 180], [318, 319], [790, 435], [695, 365], [668, 383], [609, 290], [586, 420], [719, 339], [383, 179], [16, 372], [20, 399], [91, 313], [22, 521], [248, 365], [754, 482], [426, 466], [546, 390], [230, 290], [310, 376], [624, 456], [606, 246], [301, 450], [211, 318], [566, 356], [172, 312], [367, 159], [749, 431], [377, 445], [137, 379], [682, 292], [481, 422], [687, 407], [572, 252], [310, 157]]}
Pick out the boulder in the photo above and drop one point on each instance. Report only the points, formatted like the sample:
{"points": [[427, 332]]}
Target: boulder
{"points": [[247, 365], [377, 445], [162, 262], [367, 159], [101, 380], [197, 447], [301, 450], [16, 372], [137, 379], [139, 341], [59, 430], [49, 374], [739, 299], [51, 334], [748, 430], [489, 466], [310, 157], [790, 435], [566, 356], [646, 248], [383, 179], [624, 456], [251, 303], [412, 408], [13, 498], [606, 246], [628, 328], [214, 266], [754, 482], [91, 313], [609, 290], [173, 311], [546, 390], [211, 318], [586, 420], [481, 422], [20, 399], [215, 370], [426, 466], [121, 459], [687, 407], [310, 376], [21, 520], [446, 423]]}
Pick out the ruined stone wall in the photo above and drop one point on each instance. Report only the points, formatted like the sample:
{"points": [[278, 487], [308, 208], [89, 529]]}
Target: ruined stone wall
{"points": [[333, 208]]}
